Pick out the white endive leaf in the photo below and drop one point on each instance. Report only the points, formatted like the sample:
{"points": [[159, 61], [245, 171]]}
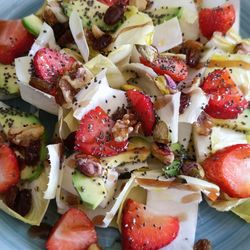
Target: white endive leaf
{"points": [[38, 98], [23, 68], [54, 152], [100, 94], [121, 56], [143, 77], [182, 204], [167, 109], [75, 24], [110, 183], [184, 134], [167, 35], [211, 190], [46, 38], [114, 75], [224, 137], [202, 145], [198, 101]]}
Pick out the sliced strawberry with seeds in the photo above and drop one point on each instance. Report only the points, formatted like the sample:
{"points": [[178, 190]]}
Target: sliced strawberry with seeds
{"points": [[173, 66], [220, 19], [229, 168], [94, 136], [50, 64], [226, 100], [144, 229], [142, 106], [73, 231], [9, 170]]}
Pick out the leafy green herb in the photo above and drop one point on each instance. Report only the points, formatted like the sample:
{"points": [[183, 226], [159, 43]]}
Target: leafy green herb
{"points": [[173, 169]]}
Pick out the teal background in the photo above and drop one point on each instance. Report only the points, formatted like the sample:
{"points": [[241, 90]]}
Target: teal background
{"points": [[224, 230]]}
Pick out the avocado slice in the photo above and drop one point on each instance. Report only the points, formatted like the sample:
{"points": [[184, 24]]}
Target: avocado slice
{"points": [[33, 24], [91, 189], [163, 14], [138, 151], [242, 123], [10, 117], [8, 82], [91, 12]]}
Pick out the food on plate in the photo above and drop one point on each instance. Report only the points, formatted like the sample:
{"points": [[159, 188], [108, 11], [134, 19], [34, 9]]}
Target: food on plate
{"points": [[24, 173], [152, 100]]}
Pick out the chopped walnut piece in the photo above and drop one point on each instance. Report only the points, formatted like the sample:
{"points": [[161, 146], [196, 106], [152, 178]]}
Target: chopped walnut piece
{"points": [[67, 90], [161, 133], [25, 135], [49, 16], [123, 128], [140, 4], [78, 77], [204, 124], [97, 32]]}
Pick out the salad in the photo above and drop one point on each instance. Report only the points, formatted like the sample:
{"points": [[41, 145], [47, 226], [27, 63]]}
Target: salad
{"points": [[152, 100]]}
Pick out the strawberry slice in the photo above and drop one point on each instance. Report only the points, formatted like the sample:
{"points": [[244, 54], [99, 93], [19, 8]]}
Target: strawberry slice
{"points": [[9, 170], [226, 100], [142, 106], [173, 66], [50, 64], [220, 19], [94, 136], [73, 231], [143, 229], [229, 168]]}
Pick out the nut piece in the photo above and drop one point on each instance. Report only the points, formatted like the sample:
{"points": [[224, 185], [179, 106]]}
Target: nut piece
{"points": [[139, 4], [49, 16], [123, 128], [161, 133], [67, 90], [192, 169], [203, 244], [97, 32], [25, 135], [204, 124], [79, 76], [89, 165], [162, 152], [242, 48]]}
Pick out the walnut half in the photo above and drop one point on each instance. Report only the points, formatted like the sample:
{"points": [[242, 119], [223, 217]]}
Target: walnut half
{"points": [[25, 135]]}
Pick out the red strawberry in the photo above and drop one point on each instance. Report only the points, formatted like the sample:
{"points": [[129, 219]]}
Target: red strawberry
{"points": [[220, 19], [9, 170], [173, 66], [73, 231], [50, 64], [94, 136], [229, 169], [226, 100], [145, 230], [142, 106]]}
